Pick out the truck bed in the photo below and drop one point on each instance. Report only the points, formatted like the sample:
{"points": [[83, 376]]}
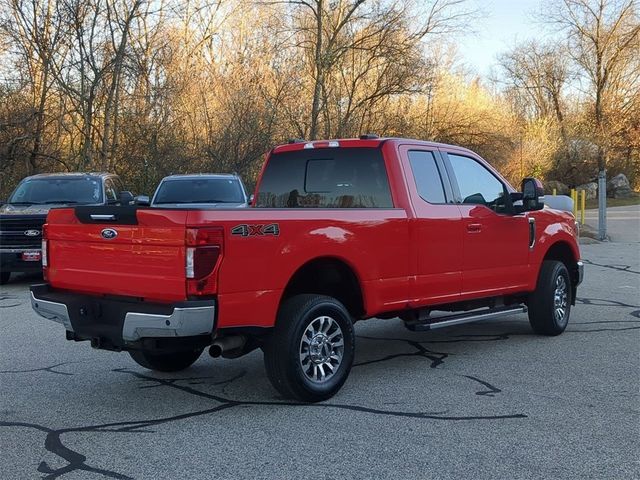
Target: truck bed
{"points": [[147, 257]]}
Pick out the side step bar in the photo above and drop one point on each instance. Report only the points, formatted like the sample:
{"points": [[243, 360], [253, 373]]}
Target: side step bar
{"points": [[467, 317]]}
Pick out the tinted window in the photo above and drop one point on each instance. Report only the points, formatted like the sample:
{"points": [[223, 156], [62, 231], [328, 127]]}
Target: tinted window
{"points": [[58, 190], [199, 190], [326, 178], [477, 185], [427, 176]]}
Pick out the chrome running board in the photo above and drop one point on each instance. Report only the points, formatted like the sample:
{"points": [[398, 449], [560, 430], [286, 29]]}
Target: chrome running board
{"points": [[467, 317]]}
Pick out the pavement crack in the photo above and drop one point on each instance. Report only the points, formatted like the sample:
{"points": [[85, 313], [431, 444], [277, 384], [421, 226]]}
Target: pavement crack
{"points": [[196, 380], [443, 415], [489, 393], [437, 358], [620, 268], [43, 369], [53, 444], [601, 302]]}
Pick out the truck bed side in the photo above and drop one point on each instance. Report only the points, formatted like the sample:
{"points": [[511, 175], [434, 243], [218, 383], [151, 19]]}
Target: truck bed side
{"points": [[148, 259], [256, 268]]}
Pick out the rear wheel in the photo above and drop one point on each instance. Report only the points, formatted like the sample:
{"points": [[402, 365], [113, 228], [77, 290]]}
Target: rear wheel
{"points": [[310, 352], [550, 304], [165, 362], [4, 277]]}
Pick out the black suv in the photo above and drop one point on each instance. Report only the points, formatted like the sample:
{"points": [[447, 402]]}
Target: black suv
{"points": [[22, 217]]}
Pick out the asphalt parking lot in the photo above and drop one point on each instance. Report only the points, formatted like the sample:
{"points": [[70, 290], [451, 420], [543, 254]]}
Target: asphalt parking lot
{"points": [[481, 401]]}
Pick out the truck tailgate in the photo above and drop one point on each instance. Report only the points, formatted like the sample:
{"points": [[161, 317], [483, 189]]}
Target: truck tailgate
{"points": [[145, 259]]}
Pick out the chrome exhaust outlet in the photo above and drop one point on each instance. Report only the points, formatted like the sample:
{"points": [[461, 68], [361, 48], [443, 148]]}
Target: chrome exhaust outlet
{"points": [[221, 346]]}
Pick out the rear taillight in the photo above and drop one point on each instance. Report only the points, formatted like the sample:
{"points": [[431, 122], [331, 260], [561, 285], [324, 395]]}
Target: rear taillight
{"points": [[45, 253], [203, 254]]}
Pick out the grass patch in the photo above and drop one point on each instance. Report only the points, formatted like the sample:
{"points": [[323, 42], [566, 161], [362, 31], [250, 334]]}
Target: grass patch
{"points": [[615, 202]]}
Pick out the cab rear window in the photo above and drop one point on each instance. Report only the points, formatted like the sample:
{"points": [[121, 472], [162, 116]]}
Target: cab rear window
{"points": [[326, 178]]}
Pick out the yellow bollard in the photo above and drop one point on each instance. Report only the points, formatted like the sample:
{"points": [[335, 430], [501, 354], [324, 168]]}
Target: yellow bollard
{"points": [[574, 197], [583, 201], [554, 191]]}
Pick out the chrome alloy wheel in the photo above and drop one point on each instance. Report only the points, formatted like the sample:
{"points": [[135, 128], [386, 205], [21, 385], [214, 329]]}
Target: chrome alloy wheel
{"points": [[321, 349], [560, 300]]}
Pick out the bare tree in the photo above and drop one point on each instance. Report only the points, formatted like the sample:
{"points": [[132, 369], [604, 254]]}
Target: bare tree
{"points": [[602, 36], [35, 27], [331, 31], [119, 23], [146, 88], [538, 76]]}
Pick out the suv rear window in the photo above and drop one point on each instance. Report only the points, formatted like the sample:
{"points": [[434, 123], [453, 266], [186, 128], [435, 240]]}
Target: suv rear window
{"points": [[326, 178]]}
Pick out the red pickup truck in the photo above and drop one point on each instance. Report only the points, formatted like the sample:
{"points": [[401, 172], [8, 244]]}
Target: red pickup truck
{"points": [[338, 231]]}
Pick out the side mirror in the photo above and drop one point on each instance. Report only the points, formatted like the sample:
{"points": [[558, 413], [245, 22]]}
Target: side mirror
{"points": [[532, 193], [142, 200], [126, 198], [250, 201]]}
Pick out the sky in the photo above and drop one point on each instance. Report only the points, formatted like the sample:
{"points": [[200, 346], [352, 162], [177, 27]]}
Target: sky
{"points": [[501, 23]]}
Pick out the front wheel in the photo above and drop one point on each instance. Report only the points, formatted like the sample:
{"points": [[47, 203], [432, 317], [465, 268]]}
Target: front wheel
{"points": [[165, 362], [310, 351], [550, 304], [4, 277]]}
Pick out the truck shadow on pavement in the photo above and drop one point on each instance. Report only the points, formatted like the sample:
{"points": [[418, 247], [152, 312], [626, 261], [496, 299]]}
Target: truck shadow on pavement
{"points": [[373, 351]]}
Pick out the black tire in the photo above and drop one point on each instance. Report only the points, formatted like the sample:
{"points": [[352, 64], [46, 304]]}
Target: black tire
{"points": [[4, 277], [544, 308], [165, 362], [283, 349]]}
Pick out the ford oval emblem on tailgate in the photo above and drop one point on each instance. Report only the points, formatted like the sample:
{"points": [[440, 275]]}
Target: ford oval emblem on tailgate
{"points": [[32, 233], [109, 233]]}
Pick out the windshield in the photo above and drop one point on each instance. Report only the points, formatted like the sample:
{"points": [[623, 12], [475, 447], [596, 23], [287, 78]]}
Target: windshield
{"points": [[199, 190], [41, 191]]}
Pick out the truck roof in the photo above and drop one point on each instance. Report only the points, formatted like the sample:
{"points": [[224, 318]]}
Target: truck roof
{"points": [[364, 142], [190, 176]]}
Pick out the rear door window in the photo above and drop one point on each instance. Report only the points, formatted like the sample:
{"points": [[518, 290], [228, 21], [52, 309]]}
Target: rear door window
{"points": [[326, 178], [427, 176]]}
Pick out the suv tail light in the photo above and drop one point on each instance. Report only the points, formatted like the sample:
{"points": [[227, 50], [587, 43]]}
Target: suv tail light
{"points": [[203, 255], [45, 253]]}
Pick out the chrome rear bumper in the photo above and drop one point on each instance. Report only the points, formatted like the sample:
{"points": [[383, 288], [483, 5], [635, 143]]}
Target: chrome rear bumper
{"points": [[122, 321]]}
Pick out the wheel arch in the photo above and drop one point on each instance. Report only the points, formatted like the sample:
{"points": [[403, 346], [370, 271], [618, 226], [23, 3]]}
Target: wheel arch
{"points": [[331, 276], [564, 252]]}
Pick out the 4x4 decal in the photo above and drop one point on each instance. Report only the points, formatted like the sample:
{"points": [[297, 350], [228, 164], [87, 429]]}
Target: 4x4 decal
{"points": [[245, 230]]}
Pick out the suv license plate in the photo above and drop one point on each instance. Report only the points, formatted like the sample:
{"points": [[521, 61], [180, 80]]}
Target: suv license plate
{"points": [[34, 256]]}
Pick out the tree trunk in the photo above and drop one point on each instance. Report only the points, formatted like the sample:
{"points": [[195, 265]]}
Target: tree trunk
{"points": [[113, 95], [319, 68], [37, 140], [87, 143]]}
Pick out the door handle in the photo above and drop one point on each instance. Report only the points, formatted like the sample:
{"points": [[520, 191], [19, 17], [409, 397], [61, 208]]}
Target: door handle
{"points": [[474, 227]]}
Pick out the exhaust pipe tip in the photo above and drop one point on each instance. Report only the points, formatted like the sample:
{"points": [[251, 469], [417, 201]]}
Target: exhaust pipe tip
{"points": [[215, 351], [221, 346]]}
